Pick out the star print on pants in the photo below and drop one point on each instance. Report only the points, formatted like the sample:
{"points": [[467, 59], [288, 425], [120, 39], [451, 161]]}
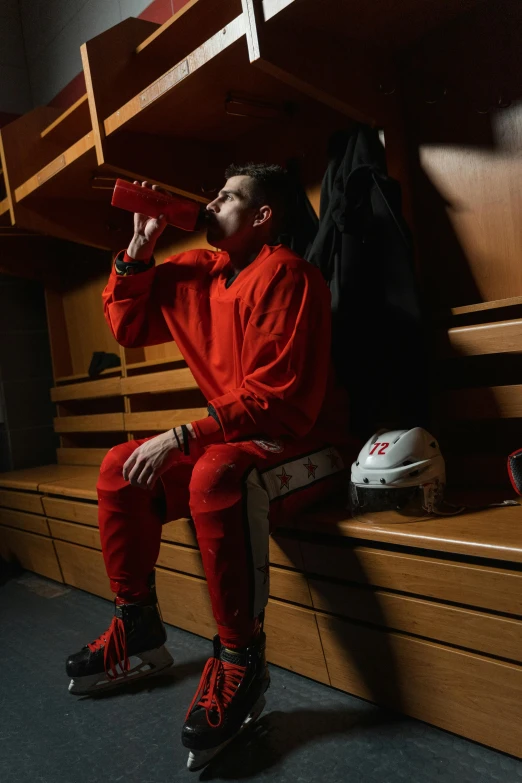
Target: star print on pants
{"points": [[284, 478], [265, 569], [311, 468]]}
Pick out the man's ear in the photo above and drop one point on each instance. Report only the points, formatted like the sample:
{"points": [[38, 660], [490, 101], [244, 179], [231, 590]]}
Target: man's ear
{"points": [[262, 215]]}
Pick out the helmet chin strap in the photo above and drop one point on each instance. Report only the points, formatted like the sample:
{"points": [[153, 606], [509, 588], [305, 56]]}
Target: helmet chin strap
{"points": [[433, 502], [433, 499], [432, 496]]}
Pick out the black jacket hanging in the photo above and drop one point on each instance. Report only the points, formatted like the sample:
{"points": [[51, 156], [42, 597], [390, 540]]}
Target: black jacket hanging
{"points": [[364, 250], [301, 223]]}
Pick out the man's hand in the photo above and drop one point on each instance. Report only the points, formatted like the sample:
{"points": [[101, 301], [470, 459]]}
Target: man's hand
{"points": [[147, 230], [146, 463]]}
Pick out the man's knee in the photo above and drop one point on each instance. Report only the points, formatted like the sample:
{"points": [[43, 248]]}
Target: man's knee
{"points": [[219, 471], [113, 462]]}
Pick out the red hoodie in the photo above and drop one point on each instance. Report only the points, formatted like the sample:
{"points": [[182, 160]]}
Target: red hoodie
{"points": [[259, 350]]}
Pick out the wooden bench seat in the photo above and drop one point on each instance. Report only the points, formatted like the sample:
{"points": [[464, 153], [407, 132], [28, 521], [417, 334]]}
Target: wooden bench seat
{"points": [[420, 614], [493, 532], [31, 479], [81, 485]]}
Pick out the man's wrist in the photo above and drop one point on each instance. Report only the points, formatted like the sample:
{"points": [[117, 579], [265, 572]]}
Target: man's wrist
{"points": [[171, 439], [140, 249]]}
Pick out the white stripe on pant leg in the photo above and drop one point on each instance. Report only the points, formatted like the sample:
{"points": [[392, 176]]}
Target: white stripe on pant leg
{"points": [[258, 507], [301, 472]]}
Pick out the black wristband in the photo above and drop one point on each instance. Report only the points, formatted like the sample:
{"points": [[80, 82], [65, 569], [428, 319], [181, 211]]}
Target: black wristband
{"points": [[186, 439], [124, 269]]}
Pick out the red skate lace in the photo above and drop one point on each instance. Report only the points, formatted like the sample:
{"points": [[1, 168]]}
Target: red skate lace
{"points": [[219, 682], [114, 641]]}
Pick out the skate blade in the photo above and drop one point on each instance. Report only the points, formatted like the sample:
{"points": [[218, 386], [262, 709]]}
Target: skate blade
{"points": [[198, 759], [151, 662]]}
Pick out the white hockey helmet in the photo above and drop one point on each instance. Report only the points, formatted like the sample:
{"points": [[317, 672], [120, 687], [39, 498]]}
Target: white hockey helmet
{"points": [[398, 469]]}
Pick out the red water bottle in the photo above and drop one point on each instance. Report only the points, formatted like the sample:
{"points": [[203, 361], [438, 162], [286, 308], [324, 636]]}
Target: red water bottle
{"points": [[179, 211]]}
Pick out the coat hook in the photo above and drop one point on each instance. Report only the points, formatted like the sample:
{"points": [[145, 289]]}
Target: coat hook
{"points": [[435, 94], [387, 89]]}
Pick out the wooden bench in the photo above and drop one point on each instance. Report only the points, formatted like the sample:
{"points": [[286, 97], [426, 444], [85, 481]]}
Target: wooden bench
{"points": [[423, 615]]}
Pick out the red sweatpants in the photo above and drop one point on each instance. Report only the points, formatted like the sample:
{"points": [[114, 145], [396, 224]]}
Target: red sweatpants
{"points": [[236, 493]]}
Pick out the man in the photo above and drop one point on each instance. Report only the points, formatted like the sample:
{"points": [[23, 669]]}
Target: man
{"points": [[252, 321]]}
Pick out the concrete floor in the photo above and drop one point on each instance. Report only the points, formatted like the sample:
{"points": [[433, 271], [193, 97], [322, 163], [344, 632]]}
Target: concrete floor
{"points": [[309, 732]]}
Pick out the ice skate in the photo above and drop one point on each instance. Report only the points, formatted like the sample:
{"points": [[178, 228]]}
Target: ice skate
{"points": [[131, 648], [230, 696]]}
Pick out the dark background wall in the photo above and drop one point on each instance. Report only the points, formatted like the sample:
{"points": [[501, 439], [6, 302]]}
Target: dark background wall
{"points": [[40, 43], [26, 411]]}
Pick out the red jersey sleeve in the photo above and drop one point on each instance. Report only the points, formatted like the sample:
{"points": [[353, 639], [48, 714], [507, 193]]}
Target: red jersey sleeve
{"points": [[132, 304], [285, 359]]}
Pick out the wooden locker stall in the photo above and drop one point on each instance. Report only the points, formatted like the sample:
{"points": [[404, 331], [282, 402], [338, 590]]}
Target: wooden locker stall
{"points": [[55, 178], [463, 113], [49, 160], [420, 613], [139, 99], [183, 124]]}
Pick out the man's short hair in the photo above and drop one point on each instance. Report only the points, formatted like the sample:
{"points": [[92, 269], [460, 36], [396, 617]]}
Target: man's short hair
{"points": [[270, 185]]}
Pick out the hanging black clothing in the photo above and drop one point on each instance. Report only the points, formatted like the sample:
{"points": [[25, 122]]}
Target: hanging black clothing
{"points": [[364, 250], [301, 222]]}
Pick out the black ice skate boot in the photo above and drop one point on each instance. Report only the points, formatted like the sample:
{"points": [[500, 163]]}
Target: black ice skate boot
{"points": [[137, 631], [230, 696]]}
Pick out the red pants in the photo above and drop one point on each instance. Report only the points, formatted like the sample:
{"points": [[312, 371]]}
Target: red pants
{"points": [[236, 493]]}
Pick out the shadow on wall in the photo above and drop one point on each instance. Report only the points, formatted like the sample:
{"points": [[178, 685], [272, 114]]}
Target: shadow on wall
{"points": [[463, 109], [26, 432]]}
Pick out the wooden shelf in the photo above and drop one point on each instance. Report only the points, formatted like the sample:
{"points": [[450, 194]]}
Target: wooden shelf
{"points": [[191, 104], [85, 377], [190, 100], [152, 363], [498, 304], [141, 52], [102, 422], [113, 81], [180, 35], [171, 380], [161, 420], [481, 339], [46, 179], [79, 456], [50, 159], [210, 96], [164, 103], [108, 387], [70, 126]]}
